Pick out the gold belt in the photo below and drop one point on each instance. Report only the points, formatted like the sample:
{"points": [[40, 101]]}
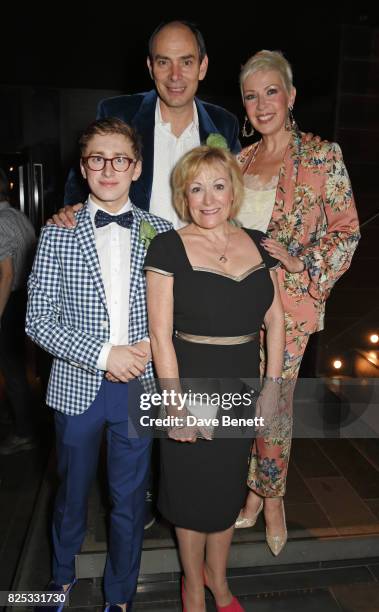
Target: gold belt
{"points": [[222, 340]]}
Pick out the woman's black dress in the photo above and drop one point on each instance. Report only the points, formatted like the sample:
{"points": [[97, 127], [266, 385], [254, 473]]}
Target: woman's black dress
{"points": [[203, 485]]}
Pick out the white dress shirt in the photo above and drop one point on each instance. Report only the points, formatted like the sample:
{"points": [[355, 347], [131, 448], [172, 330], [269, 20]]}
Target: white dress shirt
{"points": [[113, 249], [168, 149]]}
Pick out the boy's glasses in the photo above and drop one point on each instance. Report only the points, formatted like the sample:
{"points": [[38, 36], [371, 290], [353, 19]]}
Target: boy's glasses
{"points": [[97, 162]]}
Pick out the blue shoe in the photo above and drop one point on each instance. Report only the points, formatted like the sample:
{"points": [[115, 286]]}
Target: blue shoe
{"points": [[112, 608], [53, 587]]}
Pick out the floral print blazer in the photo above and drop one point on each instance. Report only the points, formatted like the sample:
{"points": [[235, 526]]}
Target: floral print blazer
{"points": [[315, 218]]}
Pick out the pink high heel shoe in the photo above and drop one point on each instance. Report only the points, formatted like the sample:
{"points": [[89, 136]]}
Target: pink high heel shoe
{"points": [[233, 606]]}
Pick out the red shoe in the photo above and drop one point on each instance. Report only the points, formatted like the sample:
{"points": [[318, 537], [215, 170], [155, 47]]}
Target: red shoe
{"points": [[234, 606]]}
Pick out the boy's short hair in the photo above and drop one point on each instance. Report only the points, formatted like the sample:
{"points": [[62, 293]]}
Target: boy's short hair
{"points": [[112, 125]]}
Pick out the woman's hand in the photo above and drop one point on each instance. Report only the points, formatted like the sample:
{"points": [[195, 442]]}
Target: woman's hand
{"points": [[183, 434], [189, 433], [292, 264]]}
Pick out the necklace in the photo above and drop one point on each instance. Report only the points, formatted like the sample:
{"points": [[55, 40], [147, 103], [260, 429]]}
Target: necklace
{"points": [[223, 259]]}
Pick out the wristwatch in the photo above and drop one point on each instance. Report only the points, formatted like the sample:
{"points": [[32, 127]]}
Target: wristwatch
{"points": [[276, 379]]}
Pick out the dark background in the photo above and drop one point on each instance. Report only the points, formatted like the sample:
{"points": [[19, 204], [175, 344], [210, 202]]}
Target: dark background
{"points": [[102, 45], [60, 59]]}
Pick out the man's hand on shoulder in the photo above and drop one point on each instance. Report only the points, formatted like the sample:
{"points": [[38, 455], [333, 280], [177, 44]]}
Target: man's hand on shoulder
{"points": [[65, 217]]}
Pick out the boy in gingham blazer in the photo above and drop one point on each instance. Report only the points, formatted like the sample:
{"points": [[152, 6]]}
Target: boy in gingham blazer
{"points": [[87, 307]]}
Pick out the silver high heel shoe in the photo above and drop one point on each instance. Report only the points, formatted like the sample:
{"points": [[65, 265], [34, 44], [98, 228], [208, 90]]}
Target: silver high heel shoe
{"points": [[276, 543], [244, 522]]}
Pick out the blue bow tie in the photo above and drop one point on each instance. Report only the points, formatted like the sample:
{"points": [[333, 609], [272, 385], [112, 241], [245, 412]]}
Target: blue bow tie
{"points": [[102, 218]]}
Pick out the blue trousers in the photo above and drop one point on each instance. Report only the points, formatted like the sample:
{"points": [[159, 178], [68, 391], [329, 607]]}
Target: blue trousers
{"points": [[78, 440]]}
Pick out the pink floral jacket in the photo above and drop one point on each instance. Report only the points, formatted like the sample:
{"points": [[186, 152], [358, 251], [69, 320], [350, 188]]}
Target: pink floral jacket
{"points": [[315, 218]]}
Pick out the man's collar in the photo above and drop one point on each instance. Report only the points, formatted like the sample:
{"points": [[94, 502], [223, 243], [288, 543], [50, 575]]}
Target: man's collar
{"points": [[194, 124]]}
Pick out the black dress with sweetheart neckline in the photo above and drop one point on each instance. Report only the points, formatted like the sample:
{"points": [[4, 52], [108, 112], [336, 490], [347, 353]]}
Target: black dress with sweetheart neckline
{"points": [[203, 485]]}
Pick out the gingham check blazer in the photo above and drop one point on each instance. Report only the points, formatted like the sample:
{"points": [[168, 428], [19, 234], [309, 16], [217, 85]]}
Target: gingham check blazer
{"points": [[67, 312]]}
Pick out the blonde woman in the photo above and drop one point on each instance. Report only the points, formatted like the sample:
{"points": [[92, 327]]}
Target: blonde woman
{"points": [[210, 287], [298, 191]]}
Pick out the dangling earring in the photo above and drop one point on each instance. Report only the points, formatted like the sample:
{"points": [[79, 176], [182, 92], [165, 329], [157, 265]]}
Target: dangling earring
{"points": [[245, 133], [290, 121]]}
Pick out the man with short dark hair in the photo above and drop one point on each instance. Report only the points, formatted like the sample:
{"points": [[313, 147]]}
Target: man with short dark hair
{"points": [[170, 119]]}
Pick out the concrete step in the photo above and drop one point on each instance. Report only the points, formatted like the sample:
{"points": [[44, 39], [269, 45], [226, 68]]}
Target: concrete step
{"points": [[248, 548]]}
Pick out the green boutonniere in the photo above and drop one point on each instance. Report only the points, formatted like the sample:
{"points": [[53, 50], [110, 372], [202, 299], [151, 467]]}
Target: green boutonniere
{"points": [[217, 140], [146, 233]]}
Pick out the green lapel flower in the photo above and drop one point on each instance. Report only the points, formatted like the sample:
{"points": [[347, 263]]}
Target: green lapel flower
{"points": [[146, 233], [217, 140]]}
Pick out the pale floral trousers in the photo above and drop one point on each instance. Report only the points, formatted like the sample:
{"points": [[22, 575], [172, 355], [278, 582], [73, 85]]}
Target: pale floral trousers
{"points": [[270, 453]]}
